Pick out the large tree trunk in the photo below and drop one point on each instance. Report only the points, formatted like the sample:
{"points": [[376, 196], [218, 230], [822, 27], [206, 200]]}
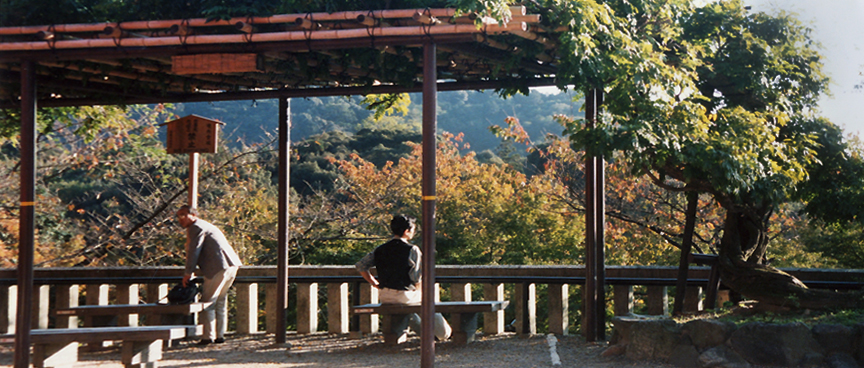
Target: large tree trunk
{"points": [[742, 255]]}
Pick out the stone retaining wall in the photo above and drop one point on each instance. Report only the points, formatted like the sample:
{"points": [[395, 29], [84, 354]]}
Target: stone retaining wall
{"points": [[711, 343]]}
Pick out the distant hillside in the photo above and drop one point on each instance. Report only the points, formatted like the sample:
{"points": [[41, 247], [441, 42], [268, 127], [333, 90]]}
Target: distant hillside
{"points": [[468, 112]]}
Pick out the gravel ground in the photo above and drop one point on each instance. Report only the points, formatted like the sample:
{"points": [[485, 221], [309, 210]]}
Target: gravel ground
{"points": [[329, 350]]}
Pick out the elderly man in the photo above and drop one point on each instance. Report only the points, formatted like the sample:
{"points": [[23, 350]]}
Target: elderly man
{"points": [[207, 249]]}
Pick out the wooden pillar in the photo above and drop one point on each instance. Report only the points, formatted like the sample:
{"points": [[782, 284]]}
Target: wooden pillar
{"points": [[559, 309], [368, 322], [595, 274], [194, 158], [460, 292], [247, 308], [127, 294], [337, 308], [8, 301], [428, 200], [693, 300], [493, 322], [270, 309], [526, 309], [307, 308], [154, 294], [283, 225], [658, 301], [27, 213], [96, 294], [622, 299], [41, 295]]}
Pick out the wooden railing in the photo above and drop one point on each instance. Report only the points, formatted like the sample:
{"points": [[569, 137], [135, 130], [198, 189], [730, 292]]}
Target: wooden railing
{"points": [[643, 289]]}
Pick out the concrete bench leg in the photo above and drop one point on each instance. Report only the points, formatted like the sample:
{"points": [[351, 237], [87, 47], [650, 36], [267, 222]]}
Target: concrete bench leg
{"points": [[55, 355], [141, 354], [464, 327], [394, 327]]}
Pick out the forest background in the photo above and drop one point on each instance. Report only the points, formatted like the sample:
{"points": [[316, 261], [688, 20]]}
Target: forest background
{"points": [[509, 187]]}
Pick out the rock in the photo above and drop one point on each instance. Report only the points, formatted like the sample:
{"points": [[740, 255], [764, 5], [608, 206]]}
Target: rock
{"points": [[841, 360], [723, 357], [653, 339], [617, 349], [834, 338], [684, 355], [774, 344], [707, 333], [621, 328], [811, 360]]}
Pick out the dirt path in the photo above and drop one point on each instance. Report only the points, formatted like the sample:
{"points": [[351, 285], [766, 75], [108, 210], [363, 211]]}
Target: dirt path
{"points": [[327, 350]]}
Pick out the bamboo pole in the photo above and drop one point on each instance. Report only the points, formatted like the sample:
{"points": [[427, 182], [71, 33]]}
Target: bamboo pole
{"points": [[202, 22], [443, 29]]}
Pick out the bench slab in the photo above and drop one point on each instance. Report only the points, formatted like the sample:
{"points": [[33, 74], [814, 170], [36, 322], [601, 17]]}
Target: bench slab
{"points": [[115, 309], [141, 346]]}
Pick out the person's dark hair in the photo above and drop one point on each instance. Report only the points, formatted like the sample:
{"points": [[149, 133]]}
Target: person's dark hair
{"points": [[400, 223], [189, 210]]}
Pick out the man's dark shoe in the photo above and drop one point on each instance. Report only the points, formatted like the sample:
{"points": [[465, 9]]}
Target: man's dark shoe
{"points": [[219, 340], [204, 342]]}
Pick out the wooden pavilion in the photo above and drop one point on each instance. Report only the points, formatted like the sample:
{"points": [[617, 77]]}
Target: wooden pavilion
{"points": [[284, 56]]}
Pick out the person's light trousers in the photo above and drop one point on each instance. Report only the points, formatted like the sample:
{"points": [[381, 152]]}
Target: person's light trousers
{"points": [[215, 290], [391, 296]]}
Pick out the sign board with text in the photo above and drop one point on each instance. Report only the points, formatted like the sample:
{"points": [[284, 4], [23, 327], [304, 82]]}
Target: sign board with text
{"points": [[192, 133]]}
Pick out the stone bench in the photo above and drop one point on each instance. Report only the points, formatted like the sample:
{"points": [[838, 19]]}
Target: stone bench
{"points": [[164, 314], [140, 346], [463, 317]]}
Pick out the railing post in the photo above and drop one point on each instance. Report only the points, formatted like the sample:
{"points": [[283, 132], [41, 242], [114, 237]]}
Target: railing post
{"points": [[41, 302], [8, 303], [693, 299], [526, 309], [337, 307], [154, 294], [559, 309], [368, 322], [97, 294], [622, 299], [658, 301], [270, 307], [460, 292], [493, 322], [247, 308], [307, 308], [127, 294]]}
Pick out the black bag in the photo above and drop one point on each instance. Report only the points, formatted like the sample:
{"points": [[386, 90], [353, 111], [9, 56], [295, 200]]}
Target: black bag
{"points": [[183, 295]]}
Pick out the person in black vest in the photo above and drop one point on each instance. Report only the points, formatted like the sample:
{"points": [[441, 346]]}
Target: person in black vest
{"points": [[398, 264]]}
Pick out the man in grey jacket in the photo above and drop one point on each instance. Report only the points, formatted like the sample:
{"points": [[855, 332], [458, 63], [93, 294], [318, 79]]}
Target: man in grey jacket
{"points": [[208, 249]]}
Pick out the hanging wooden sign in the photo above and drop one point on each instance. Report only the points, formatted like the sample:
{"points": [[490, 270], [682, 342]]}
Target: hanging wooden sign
{"points": [[215, 63], [192, 133]]}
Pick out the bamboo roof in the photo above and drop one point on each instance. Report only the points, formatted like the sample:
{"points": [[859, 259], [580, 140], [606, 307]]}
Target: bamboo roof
{"points": [[291, 55]]}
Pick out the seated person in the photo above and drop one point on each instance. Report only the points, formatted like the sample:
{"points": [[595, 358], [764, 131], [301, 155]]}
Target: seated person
{"points": [[398, 265]]}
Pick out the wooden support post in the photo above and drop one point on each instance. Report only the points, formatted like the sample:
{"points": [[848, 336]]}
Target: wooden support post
{"points": [[307, 308], [622, 299], [270, 308], [658, 301], [493, 322], [193, 180], [337, 308], [368, 322], [460, 292], [559, 309], [41, 299], [127, 294], [27, 213], [8, 301], [693, 300], [96, 294], [283, 235], [67, 297], [247, 308], [526, 309], [428, 202], [154, 294]]}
